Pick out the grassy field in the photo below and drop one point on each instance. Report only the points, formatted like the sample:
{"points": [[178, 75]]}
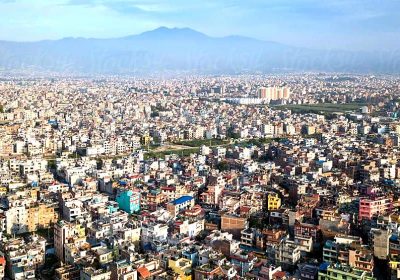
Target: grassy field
{"points": [[256, 142], [181, 152], [321, 108], [185, 151], [185, 148]]}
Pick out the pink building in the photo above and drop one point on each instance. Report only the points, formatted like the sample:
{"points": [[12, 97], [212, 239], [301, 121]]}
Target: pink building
{"points": [[372, 206]]}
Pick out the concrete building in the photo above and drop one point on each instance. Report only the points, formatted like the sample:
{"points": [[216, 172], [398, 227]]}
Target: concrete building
{"points": [[179, 204], [128, 200]]}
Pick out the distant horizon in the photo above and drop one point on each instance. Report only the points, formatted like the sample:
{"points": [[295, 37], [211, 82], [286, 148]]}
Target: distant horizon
{"points": [[135, 34], [199, 36], [179, 28], [361, 25], [174, 50]]}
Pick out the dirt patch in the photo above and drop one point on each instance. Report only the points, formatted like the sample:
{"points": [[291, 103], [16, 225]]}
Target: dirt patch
{"points": [[170, 147]]}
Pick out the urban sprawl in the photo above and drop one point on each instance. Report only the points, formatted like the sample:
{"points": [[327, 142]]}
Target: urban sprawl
{"points": [[293, 176]]}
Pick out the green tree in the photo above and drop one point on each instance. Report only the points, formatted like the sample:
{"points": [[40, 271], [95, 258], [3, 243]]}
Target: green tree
{"points": [[223, 166]]}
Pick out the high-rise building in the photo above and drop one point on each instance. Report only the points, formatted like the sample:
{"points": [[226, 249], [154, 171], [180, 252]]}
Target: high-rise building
{"points": [[262, 92], [274, 93], [64, 233]]}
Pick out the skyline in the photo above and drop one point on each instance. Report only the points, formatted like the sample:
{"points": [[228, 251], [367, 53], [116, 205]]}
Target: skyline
{"points": [[347, 25]]}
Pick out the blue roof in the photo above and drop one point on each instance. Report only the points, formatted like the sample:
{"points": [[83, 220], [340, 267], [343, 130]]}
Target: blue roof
{"points": [[393, 237], [182, 199], [147, 247], [324, 266]]}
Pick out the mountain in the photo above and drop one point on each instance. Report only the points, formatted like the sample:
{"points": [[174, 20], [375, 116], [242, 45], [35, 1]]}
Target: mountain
{"points": [[183, 50]]}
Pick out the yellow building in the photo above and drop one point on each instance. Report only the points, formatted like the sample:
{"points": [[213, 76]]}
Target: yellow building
{"points": [[394, 218], [397, 128], [394, 264], [182, 267], [41, 216], [145, 139], [274, 202], [3, 190], [310, 130]]}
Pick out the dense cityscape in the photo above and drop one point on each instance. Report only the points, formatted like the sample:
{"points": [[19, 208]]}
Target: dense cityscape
{"points": [[289, 176], [199, 140]]}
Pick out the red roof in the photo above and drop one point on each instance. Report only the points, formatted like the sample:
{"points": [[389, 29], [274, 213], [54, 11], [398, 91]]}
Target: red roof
{"points": [[168, 188], [144, 272], [279, 274], [245, 209]]}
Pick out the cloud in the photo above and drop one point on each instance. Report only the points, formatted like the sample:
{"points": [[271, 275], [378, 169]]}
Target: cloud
{"points": [[155, 6], [123, 7]]}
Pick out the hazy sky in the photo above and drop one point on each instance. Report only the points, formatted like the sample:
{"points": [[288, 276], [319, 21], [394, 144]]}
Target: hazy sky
{"points": [[339, 24]]}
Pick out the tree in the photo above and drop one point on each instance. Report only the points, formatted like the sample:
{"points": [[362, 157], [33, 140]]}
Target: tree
{"points": [[99, 164], [223, 166]]}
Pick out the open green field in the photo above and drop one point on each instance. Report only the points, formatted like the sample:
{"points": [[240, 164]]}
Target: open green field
{"points": [[321, 108], [184, 148], [185, 151], [256, 142], [181, 152]]}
